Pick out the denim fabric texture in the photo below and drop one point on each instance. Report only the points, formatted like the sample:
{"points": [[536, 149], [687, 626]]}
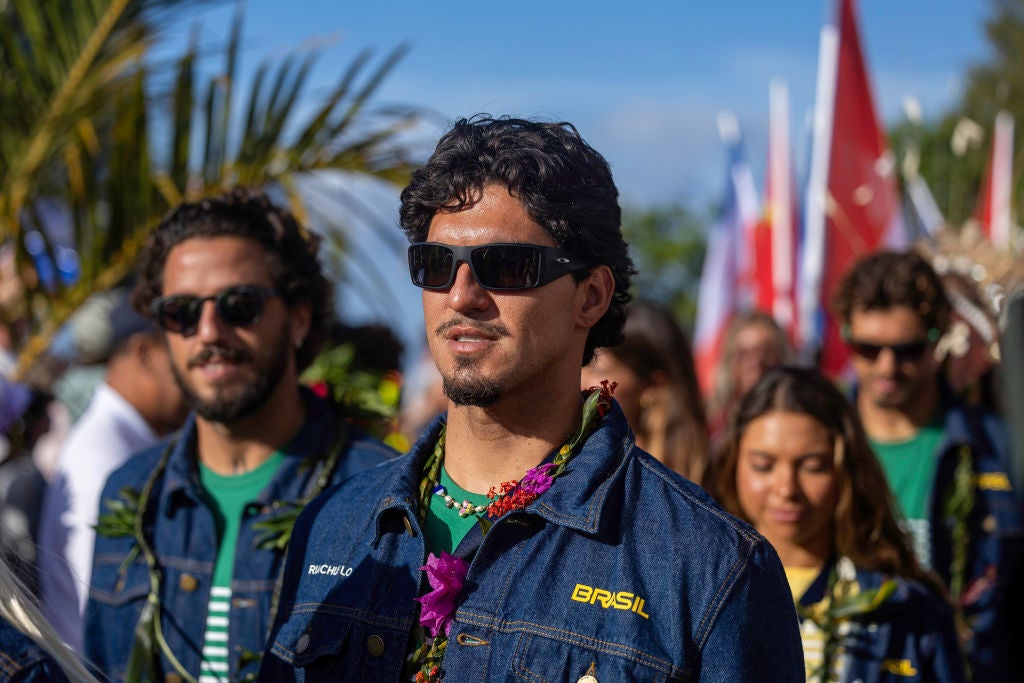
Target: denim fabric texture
{"points": [[622, 569], [910, 638], [182, 530], [23, 661], [995, 574]]}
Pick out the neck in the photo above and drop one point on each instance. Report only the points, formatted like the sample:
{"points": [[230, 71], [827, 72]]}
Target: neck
{"points": [[885, 423], [245, 444], [487, 446], [796, 556]]}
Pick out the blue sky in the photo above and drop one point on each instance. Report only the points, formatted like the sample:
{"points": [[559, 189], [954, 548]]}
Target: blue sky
{"points": [[643, 81]]}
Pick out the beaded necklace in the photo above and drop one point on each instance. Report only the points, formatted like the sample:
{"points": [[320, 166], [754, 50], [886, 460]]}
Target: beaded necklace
{"points": [[446, 573]]}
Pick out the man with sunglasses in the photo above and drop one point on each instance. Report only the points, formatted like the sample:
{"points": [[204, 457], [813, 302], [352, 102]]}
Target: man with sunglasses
{"points": [[525, 536], [192, 533], [945, 461]]}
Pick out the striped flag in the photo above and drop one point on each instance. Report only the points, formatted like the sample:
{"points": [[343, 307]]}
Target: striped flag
{"points": [[994, 212], [727, 255], [777, 232], [852, 206]]}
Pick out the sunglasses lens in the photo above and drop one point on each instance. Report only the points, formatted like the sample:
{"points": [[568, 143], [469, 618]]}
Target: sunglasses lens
{"points": [[179, 314], [430, 265], [904, 353], [865, 350], [507, 266], [909, 352], [240, 306]]}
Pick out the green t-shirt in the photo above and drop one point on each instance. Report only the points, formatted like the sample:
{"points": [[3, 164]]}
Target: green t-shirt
{"points": [[228, 495], [444, 528], [910, 468]]}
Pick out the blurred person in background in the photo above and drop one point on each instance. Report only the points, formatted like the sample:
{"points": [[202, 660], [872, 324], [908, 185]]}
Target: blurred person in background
{"points": [[137, 403], [796, 464], [754, 343], [945, 460], [423, 398], [193, 532], [23, 419], [657, 389], [30, 650]]}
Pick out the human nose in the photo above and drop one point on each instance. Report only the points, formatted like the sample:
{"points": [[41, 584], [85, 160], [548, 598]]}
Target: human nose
{"points": [[209, 328], [886, 361], [466, 293], [785, 482]]}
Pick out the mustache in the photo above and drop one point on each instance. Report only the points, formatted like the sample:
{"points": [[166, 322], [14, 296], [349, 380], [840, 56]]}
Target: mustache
{"points": [[218, 352], [491, 329]]}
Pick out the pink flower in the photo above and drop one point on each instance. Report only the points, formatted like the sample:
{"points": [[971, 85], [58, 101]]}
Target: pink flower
{"points": [[538, 480], [445, 575]]}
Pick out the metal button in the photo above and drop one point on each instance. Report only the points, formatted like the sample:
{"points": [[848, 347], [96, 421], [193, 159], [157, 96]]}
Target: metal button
{"points": [[172, 678], [188, 583], [303, 644], [587, 679], [989, 524], [375, 646]]}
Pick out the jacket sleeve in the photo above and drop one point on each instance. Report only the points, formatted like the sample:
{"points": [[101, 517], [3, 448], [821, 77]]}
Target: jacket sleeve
{"points": [[756, 636]]}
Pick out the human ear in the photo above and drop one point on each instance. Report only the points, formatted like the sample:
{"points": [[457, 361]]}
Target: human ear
{"points": [[594, 296]]}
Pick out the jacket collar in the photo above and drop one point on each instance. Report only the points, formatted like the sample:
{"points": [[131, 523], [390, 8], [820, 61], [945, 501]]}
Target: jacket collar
{"points": [[313, 441], [575, 500]]}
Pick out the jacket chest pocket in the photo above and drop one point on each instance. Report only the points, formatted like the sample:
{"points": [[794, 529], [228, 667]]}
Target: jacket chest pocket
{"points": [[543, 659], [335, 648]]}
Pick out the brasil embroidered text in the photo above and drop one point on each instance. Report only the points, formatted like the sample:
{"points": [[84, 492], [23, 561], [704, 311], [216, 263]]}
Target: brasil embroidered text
{"points": [[621, 600]]}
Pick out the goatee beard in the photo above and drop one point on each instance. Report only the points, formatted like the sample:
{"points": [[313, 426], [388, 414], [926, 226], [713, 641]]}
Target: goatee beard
{"points": [[480, 394], [233, 403]]}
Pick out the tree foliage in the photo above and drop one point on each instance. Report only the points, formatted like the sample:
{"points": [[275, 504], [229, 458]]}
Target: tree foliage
{"points": [[667, 245], [100, 140], [952, 158]]}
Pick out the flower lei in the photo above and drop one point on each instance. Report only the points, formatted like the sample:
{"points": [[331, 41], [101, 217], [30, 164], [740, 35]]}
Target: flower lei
{"points": [[843, 601], [446, 573]]}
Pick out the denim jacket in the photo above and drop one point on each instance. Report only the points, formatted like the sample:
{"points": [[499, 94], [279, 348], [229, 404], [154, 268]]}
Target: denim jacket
{"points": [[909, 638], [622, 569], [182, 530], [994, 581], [23, 661]]}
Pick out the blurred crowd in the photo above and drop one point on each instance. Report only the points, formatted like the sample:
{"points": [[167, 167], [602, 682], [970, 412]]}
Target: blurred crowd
{"points": [[894, 484]]}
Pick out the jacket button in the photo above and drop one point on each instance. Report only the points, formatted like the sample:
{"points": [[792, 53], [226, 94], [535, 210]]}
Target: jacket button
{"points": [[302, 644], [172, 678], [989, 524], [375, 646], [587, 679], [188, 583]]}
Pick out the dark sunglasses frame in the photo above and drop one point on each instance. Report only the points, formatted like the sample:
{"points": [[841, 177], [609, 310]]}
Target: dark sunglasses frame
{"points": [[180, 313], [551, 264], [907, 352]]}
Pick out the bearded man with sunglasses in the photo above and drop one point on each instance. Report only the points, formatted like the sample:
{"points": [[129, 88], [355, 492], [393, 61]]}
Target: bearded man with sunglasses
{"points": [[192, 534], [525, 536], [945, 461]]}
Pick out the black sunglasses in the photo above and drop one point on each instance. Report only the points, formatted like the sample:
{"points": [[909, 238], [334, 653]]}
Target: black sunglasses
{"points": [[500, 267], [238, 306], [907, 352]]}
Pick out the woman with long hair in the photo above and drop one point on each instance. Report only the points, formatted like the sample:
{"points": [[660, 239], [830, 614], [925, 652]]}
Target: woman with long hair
{"points": [[657, 389], [30, 650], [795, 463]]}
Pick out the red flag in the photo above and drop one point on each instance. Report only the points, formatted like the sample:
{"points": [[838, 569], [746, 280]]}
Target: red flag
{"points": [[852, 202], [994, 211]]}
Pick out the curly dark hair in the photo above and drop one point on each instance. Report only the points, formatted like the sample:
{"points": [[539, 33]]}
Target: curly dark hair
{"points": [[865, 518], [564, 184], [887, 279], [248, 213]]}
